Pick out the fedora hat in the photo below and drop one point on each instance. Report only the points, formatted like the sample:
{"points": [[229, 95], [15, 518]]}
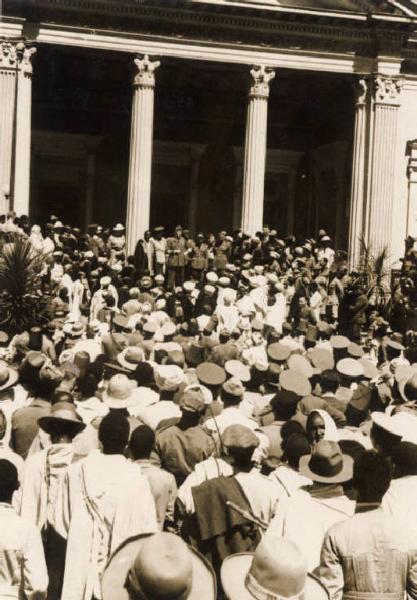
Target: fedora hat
{"points": [[157, 566], [62, 417], [119, 392], [8, 376], [327, 464], [130, 357], [277, 570]]}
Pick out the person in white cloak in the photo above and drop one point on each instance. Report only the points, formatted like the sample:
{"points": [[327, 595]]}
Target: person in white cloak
{"points": [[103, 500], [305, 517]]}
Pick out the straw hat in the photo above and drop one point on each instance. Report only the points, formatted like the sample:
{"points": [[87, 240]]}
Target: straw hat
{"points": [[130, 357], [277, 570], [158, 565]]}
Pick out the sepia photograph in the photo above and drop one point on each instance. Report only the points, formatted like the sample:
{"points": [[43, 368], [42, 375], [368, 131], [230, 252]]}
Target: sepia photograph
{"points": [[208, 299]]}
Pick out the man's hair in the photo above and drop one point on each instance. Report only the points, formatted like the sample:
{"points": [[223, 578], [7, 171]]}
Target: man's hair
{"points": [[372, 475], [329, 380], [113, 432], [3, 424], [141, 442], [9, 480]]}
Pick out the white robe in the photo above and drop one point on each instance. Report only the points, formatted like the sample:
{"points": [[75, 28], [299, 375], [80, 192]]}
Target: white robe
{"points": [[103, 500]]}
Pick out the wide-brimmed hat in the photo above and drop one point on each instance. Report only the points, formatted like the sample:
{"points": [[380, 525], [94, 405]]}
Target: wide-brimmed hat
{"points": [[119, 392], [118, 227], [403, 424], [63, 416], [74, 329], [8, 376], [327, 464], [130, 357], [277, 570], [156, 566], [168, 377]]}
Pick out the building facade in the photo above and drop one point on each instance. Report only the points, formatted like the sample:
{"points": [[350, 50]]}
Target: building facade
{"points": [[301, 114]]}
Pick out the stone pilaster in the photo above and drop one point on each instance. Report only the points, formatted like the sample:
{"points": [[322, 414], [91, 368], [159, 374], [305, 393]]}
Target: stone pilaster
{"points": [[380, 210], [9, 68], [141, 141], [21, 192], [255, 149], [359, 170]]}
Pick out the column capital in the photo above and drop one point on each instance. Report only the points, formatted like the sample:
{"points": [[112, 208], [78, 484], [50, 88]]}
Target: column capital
{"points": [[362, 91], [145, 71], [9, 53], [261, 76], [14, 54], [387, 89], [26, 61]]}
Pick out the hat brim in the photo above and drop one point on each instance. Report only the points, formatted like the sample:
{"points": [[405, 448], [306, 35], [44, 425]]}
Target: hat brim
{"points": [[233, 574], [53, 424], [115, 403], [126, 364], [385, 422], [345, 474], [114, 577], [11, 380]]}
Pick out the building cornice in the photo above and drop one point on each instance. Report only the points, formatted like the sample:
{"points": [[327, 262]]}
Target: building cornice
{"points": [[237, 22]]}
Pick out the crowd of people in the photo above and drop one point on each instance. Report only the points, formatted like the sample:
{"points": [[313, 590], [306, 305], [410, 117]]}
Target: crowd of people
{"points": [[222, 416]]}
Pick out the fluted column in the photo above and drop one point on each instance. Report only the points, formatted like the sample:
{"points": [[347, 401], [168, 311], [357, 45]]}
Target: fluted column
{"points": [[21, 191], [379, 215], [359, 171], [141, 141], [9, 65], [255, 149]]}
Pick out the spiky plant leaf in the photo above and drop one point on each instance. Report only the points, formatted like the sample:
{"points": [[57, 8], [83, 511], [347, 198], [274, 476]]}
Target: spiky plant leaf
{"points": [[21, 303]]}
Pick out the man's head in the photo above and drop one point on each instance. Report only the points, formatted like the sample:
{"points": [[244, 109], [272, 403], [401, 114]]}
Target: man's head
{"points": [[302, 301], [315, 427], [372, 475], [113, 432], [9, 480], [141, 442]]}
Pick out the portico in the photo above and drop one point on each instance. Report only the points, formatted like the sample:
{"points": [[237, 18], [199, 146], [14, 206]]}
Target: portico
{"points": [[256, 161]]}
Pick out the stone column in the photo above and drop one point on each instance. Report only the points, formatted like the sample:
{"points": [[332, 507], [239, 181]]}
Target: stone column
{"points": [[21, 192], [412, 188], [379, 215], [359, 171], [89, 187], [141, 141], [9, 66], [292, 184], [255, 149], [195, 158]]}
